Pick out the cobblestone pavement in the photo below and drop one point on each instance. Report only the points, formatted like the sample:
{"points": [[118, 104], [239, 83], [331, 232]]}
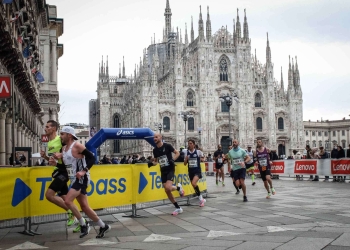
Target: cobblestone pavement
{"points": [[302, 215]]}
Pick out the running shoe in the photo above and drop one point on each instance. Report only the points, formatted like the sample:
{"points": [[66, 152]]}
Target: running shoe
{"points": [[237, 192], [77, 229], [103, 230], [273, 191], [177, 211], [245, 199], [181, 191], [71, 219], [201, 202], [268, 195], [84, 230], [253, 183]]}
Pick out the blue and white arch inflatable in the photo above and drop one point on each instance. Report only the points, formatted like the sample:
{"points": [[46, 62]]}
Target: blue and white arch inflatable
{"points": [[119, 134]]}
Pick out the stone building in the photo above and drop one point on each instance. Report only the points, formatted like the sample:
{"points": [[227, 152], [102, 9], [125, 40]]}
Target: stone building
{"points": [[28, 45], [327, 133], [188, 73]]}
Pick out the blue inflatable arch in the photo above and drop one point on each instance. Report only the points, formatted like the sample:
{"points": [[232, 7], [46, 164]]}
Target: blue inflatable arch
{"points": [[119, 134]]}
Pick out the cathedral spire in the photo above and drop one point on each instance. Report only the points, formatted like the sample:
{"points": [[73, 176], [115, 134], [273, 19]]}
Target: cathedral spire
{"points": [[268, 51], [245, 27], [238, 27], [102, 66], [297, 72], [200, 25], [282, 84], [290, 76], [256, 60], [192, 31], [107, 71], [186, 36], [123, 68], [234, 33], [120, 71], [167, 15], [208, 28]]}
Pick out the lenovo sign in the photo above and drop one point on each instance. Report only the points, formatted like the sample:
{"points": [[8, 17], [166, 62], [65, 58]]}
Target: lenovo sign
{"points": [[277, 167], [5, 86], [340, 167], [305, 167]]}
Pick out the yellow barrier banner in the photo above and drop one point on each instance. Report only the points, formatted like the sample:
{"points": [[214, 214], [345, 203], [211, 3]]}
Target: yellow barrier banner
{"points": [[23, 189], [148, 182]]}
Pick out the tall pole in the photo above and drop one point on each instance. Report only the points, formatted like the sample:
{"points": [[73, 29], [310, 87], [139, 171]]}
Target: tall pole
{"points": [[229, 125], [185, 131]]}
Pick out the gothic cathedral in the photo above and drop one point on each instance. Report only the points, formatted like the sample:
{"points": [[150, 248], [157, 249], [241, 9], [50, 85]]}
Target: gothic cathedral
{"points": [[191, 75]]}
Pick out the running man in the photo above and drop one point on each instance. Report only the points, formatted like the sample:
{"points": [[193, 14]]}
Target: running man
{"points": [[250, 165], [237, 157], [233, 180], [193, 158], [162, 154], [78, 160], [219, 163], [59, 175], [261, 156]]}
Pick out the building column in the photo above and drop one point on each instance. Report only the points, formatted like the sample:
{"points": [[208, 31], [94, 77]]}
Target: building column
{"points": [[19, 135], [54, 60], [9, 139], [3, 112], [23, 138]]}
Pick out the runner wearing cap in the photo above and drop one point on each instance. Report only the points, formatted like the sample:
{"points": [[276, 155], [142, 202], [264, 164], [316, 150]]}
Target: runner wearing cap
{"points": [[250, 165], [78, 160], [60, 178]]}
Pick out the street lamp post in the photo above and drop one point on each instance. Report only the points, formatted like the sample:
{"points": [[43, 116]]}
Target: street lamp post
{"points": [[199, 133], [228, 100], [185, 115], [159, 126]]}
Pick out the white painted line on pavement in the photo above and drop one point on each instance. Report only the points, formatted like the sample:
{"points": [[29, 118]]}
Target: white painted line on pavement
{"points": [[213, 234], [159, 237], [272, 229], [27, 245], [96, 242]]}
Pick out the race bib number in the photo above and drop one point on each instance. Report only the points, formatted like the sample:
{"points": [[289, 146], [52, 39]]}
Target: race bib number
{"points": [[163, 161], [220, 160], [263, 168], [69, 169], [192, 163], [237, 161], [263, 162]]}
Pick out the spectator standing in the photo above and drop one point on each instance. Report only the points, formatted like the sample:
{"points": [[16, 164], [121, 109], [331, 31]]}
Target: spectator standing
{"points": [[334, 155], [341, 154], [298, 156]]}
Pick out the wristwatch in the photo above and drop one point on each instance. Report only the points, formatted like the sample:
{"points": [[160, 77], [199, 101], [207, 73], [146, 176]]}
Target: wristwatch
{"points": [[86, 169]]}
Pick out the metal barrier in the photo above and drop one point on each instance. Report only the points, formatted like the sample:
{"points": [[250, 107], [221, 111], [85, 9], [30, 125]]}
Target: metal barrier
{"points": [[28, 222]]}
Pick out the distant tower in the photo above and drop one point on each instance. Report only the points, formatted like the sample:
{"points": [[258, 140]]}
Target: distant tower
{"points": [[167, 15]]}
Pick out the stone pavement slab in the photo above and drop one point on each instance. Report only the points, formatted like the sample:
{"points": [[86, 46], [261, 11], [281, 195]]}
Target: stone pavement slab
{"points": [[313, 219]]}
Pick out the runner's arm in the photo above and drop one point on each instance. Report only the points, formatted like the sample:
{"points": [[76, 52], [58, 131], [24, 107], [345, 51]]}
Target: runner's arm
{"points": [[177, 154], [247, 159], [89, 157]]}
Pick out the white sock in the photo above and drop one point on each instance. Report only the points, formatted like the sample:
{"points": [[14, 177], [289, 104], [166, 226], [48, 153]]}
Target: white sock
{"points": [[200, 197], [100, 223], [82, 221]]}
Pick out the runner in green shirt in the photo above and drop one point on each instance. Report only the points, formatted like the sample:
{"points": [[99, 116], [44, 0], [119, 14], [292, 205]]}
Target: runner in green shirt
{"points": [[59, 183], [237, 158]]}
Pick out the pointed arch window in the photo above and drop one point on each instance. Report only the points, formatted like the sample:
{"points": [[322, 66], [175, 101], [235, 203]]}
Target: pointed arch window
{"points": [[190, 123], [166, 124], [190, 99], [259, 124], [258, 100], [280, 124], [223, 70]]}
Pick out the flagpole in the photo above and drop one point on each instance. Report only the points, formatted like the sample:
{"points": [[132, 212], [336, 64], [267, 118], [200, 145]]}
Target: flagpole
{"points": [[13, 121]]}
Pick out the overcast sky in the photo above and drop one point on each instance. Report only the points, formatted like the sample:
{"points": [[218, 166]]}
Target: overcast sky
{"points": [[316, 31]]}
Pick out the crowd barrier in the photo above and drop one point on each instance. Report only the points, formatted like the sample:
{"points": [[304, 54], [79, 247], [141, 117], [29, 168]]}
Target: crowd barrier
{"points": [[113, 189], [327, 167]]}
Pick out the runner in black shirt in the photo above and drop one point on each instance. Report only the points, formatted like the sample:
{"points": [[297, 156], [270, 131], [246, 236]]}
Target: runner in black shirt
{"points": [[219, 163], [162, 155]]}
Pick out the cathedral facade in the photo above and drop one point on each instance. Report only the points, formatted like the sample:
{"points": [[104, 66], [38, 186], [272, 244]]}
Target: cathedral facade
{"points": [[191, 74]]}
